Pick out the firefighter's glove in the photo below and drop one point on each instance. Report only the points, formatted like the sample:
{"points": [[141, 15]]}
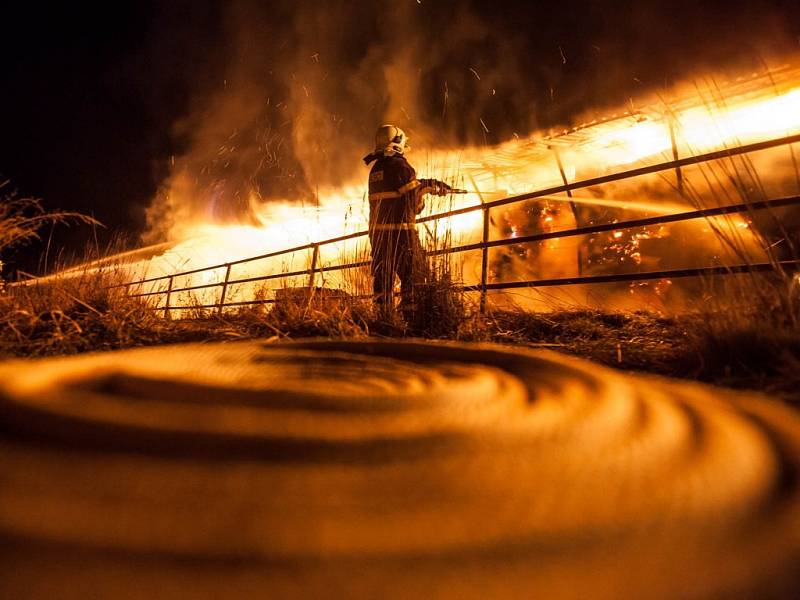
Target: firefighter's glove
{"points": [[440, 188]]}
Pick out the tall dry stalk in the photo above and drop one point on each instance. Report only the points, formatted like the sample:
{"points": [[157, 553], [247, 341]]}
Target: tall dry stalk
{"points": [[750, 323], [22, 218]]}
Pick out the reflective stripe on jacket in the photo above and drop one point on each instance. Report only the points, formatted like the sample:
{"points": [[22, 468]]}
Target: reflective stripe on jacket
{"points": [[392, 226]]}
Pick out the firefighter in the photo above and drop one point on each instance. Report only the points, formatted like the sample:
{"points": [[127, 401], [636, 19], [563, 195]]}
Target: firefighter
{"points": [[396, 197]]}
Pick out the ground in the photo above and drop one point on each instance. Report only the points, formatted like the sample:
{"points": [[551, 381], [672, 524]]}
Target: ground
{"points": [[738, 349]]}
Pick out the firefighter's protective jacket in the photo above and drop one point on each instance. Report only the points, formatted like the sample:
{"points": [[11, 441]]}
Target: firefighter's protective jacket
{"points": [[395, 193]]}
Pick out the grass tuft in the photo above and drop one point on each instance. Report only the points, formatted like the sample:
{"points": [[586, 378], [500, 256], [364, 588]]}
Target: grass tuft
{"points": [[81, 314]]}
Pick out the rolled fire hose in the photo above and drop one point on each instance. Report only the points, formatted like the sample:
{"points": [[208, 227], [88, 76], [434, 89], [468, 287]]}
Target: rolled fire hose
{"points": [[388, 469]]}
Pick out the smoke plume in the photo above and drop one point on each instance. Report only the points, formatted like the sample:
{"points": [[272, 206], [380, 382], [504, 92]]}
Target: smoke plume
{"points": [[305, 84]]}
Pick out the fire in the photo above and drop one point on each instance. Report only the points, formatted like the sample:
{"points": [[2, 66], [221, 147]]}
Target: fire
{"points": [[696, 123], [701, 129], [627, 145], [708, 128]]}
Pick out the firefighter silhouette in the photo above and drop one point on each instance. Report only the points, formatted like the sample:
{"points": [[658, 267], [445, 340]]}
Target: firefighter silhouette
{"points": [[396, 197]]}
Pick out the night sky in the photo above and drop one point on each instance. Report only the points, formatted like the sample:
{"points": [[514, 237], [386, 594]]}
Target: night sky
{"points": [[95, 101]]}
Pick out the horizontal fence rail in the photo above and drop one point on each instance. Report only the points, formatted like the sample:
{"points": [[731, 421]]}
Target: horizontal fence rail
{"points": [[659, 220], [640, 276], [485, 244]]}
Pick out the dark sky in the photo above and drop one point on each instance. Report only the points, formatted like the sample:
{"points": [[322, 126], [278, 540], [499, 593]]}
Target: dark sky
{"points": [[90, 96]]}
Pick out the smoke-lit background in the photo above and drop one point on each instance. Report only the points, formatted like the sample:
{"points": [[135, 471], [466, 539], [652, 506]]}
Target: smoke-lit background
{"points": [[148, 113]]}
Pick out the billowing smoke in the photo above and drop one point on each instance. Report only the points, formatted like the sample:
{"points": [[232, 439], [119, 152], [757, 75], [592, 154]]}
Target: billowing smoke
{"points": [[304, 89], [305, 84]]}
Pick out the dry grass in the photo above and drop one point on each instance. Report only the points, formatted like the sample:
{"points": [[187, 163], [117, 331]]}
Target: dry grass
{"points": [[73, 315], [748, 334], [320, 317], [629, 340], [82, 314], [22, 218]]}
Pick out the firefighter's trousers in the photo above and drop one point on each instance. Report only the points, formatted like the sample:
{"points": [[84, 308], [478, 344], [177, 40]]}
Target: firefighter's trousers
{"points": [[397, 252]]}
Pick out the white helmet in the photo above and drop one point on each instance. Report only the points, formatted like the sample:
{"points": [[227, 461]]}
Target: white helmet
{"points": [[391, 140]]}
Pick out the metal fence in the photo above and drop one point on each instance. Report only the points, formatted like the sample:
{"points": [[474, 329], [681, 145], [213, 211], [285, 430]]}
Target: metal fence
{"points": [[486, 244]]}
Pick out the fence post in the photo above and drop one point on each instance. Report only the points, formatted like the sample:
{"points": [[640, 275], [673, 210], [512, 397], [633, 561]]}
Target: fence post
{"points": [[312, 274], [678, 174], [166, 303], [224, 289], [572, 204], [484, 258]]}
